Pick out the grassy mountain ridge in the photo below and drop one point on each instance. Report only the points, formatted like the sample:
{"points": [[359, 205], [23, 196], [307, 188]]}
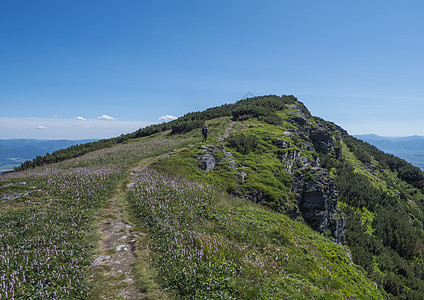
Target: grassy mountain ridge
{"points": [[380, 195], [260, 107], [262, 223]]}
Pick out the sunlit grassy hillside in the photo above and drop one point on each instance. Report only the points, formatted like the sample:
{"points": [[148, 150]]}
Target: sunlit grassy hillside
{"points": [[204, 242], [241, 230]]}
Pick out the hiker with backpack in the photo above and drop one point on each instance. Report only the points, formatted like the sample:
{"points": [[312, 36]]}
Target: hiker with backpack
{"points": [[205, 133]]}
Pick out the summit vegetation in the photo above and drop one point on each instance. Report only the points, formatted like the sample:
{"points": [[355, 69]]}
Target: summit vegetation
{"points": [[278, 204], [263, 108]]}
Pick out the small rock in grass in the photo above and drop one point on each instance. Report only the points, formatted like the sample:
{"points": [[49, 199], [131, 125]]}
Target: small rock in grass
{"points": [[124, 237], [100, 259], [14, 184], [121, 247]]}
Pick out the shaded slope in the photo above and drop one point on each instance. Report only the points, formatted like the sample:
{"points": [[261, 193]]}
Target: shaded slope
{"points": [[383, 198]]}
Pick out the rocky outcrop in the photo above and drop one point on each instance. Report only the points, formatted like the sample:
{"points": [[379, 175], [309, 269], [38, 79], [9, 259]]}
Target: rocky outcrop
{"points": [[100, 260], [210, 158], [313, 187], [255, 196], [322, 140], [298, 116], [282, 144], [23, 183], [289, 160], [15, 196], [207, 162], [317, 201]]}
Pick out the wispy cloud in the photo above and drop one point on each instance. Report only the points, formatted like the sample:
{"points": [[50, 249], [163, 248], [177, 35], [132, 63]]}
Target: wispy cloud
{"points": [[106, 117], [168, 118], [80, 118], [41, 127]]}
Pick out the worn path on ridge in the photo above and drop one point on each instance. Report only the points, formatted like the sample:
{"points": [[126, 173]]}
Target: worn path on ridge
{"points": [[121, 246], [227, 131], [121, 263]]}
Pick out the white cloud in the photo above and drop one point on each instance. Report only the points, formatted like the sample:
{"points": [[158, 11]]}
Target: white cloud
{"points": [[106, 117], [55, 116], [73, 129], [168, 118], [80, 118]]}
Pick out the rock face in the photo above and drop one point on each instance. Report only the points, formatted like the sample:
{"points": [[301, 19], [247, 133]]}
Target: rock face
{"points": [[317, 201], [322, 140], [313, 187], [297, 114], [207, 162], [289, 160], [282, 144]]}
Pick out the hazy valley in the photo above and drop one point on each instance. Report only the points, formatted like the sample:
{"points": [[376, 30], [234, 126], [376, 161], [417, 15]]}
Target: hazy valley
{"points": [[410, 148], [13, 152]]}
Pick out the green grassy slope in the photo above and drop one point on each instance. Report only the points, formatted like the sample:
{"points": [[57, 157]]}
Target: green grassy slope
{"points": [[248, 251], [207, 240], [385, 209], [381, 196], [210, 245], [46, 224]]}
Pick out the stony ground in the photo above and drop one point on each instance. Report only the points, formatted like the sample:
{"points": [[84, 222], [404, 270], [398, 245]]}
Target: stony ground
{"points": [[122, 259], [116, 254]]}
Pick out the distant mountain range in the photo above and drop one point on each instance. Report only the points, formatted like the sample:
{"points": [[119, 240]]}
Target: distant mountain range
{"points": [[15, 151], [410, 148]]}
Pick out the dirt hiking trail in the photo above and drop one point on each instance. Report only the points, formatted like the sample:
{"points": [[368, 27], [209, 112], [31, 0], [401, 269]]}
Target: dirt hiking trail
{"points": [[121, 264]]}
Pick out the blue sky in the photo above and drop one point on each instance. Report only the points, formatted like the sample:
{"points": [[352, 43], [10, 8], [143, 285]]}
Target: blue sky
{"points": [[96, 69]]}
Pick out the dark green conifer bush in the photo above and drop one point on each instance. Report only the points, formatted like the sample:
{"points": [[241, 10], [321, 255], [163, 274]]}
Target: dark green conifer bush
{"points": [[243, 143]]}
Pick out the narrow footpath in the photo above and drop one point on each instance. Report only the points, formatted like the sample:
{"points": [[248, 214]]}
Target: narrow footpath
{"points": [[227, 131], [121, 264], [112, 266]]}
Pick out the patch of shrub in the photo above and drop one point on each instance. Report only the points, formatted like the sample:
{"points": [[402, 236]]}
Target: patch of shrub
{"points": [[272, 119], [185, 126], [243, 143]]}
